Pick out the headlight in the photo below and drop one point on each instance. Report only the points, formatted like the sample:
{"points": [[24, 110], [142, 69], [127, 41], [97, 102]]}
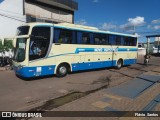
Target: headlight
{"points": [[20, 67]]}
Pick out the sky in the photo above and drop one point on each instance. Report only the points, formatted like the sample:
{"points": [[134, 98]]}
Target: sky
{"points": [[126, 16]]}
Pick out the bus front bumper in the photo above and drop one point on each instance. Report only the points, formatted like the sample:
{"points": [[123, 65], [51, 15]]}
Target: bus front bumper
{"points": [[29, 72]]}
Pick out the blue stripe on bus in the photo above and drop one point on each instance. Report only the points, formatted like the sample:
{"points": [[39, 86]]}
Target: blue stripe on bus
{"points": [[92, 65], [50, 70], [129, 61], [78, 50]]}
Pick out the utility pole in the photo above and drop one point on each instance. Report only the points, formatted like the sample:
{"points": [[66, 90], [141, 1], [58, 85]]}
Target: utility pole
{"points": [[148, 43], [134, 28], [158, 45]]}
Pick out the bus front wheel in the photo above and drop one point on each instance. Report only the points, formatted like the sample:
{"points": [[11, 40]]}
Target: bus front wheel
{"points": [[62, 70], [119, 64]]}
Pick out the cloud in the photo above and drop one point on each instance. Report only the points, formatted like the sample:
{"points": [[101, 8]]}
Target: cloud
{"points": [[95, 1], [108, 26], [155, 21], [137, 21], [156, 27], [81, 22], [132, 23]]}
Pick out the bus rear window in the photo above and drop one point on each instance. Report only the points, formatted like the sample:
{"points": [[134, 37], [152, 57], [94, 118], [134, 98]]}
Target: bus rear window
{"points": [[23, 30]]}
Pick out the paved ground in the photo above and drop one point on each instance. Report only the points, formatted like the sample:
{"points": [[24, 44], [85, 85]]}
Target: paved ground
{"points": [[18, 94]]}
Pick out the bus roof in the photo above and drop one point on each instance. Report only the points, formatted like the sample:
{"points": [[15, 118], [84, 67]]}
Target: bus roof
{"points": [[78, 27]]}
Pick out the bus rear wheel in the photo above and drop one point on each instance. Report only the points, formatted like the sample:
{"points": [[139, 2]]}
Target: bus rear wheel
{"points": [[119, 64], [62, 70]]}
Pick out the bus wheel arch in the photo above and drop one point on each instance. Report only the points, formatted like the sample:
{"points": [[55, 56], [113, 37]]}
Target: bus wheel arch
{"points": [[63, 69], [119, 63]]}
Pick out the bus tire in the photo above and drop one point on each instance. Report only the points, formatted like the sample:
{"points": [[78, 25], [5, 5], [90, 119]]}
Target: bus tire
{"points": [[62, 70], [119, 64]]}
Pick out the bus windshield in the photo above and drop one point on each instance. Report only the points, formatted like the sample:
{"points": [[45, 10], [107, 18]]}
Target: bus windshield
{"points": [[23, 30], [20, 50]]}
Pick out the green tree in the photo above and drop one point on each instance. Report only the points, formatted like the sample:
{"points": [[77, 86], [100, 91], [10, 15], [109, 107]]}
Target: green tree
{"points": [[8, 44], [1, 46]]}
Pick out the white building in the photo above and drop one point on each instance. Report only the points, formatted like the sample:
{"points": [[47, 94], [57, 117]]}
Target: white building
{"points": [[11, 16], [14, 13]]}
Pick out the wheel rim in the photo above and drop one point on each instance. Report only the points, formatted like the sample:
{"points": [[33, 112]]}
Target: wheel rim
{"points": [[62, 70], [119, 64]]}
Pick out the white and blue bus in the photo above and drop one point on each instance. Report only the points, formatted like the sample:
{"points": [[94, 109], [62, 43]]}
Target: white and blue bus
{"points": [[45, 49]]}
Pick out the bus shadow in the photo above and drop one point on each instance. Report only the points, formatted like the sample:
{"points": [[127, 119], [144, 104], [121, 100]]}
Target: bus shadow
{"points": [[35, 78], [72, 73], [91, 70]]}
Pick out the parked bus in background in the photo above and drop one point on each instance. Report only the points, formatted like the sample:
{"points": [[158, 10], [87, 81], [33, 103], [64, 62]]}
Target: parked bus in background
{"points": [[45, 49]]}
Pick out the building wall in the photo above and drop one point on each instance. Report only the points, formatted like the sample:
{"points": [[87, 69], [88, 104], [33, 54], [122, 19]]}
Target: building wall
{"points": [[157, 41], [50, 14], [11, 16]]}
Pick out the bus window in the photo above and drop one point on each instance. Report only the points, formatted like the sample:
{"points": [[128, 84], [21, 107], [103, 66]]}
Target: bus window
{"points": [[118, 40], [112, 39], [39, 42], [122, 40], [74, 36], [100, 39], [56, 35], [96, 40], [63, 36], [133, 41], [79, 37], [85, 38], [130, 41], [20, 49], [103, 39], [41, 32], [23, 30], [126, 41]]}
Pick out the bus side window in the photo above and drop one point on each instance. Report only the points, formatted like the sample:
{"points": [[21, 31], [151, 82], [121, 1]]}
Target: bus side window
{"points": [[103, 39], [99, 39], [85, 38], [135, 41], [65, 36], [79, 37], [96, 41], [112, 39], [118, 40], [122, 41], [56, 35], [74, 37], [107, 39], [126, 41], [91, 38]]}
